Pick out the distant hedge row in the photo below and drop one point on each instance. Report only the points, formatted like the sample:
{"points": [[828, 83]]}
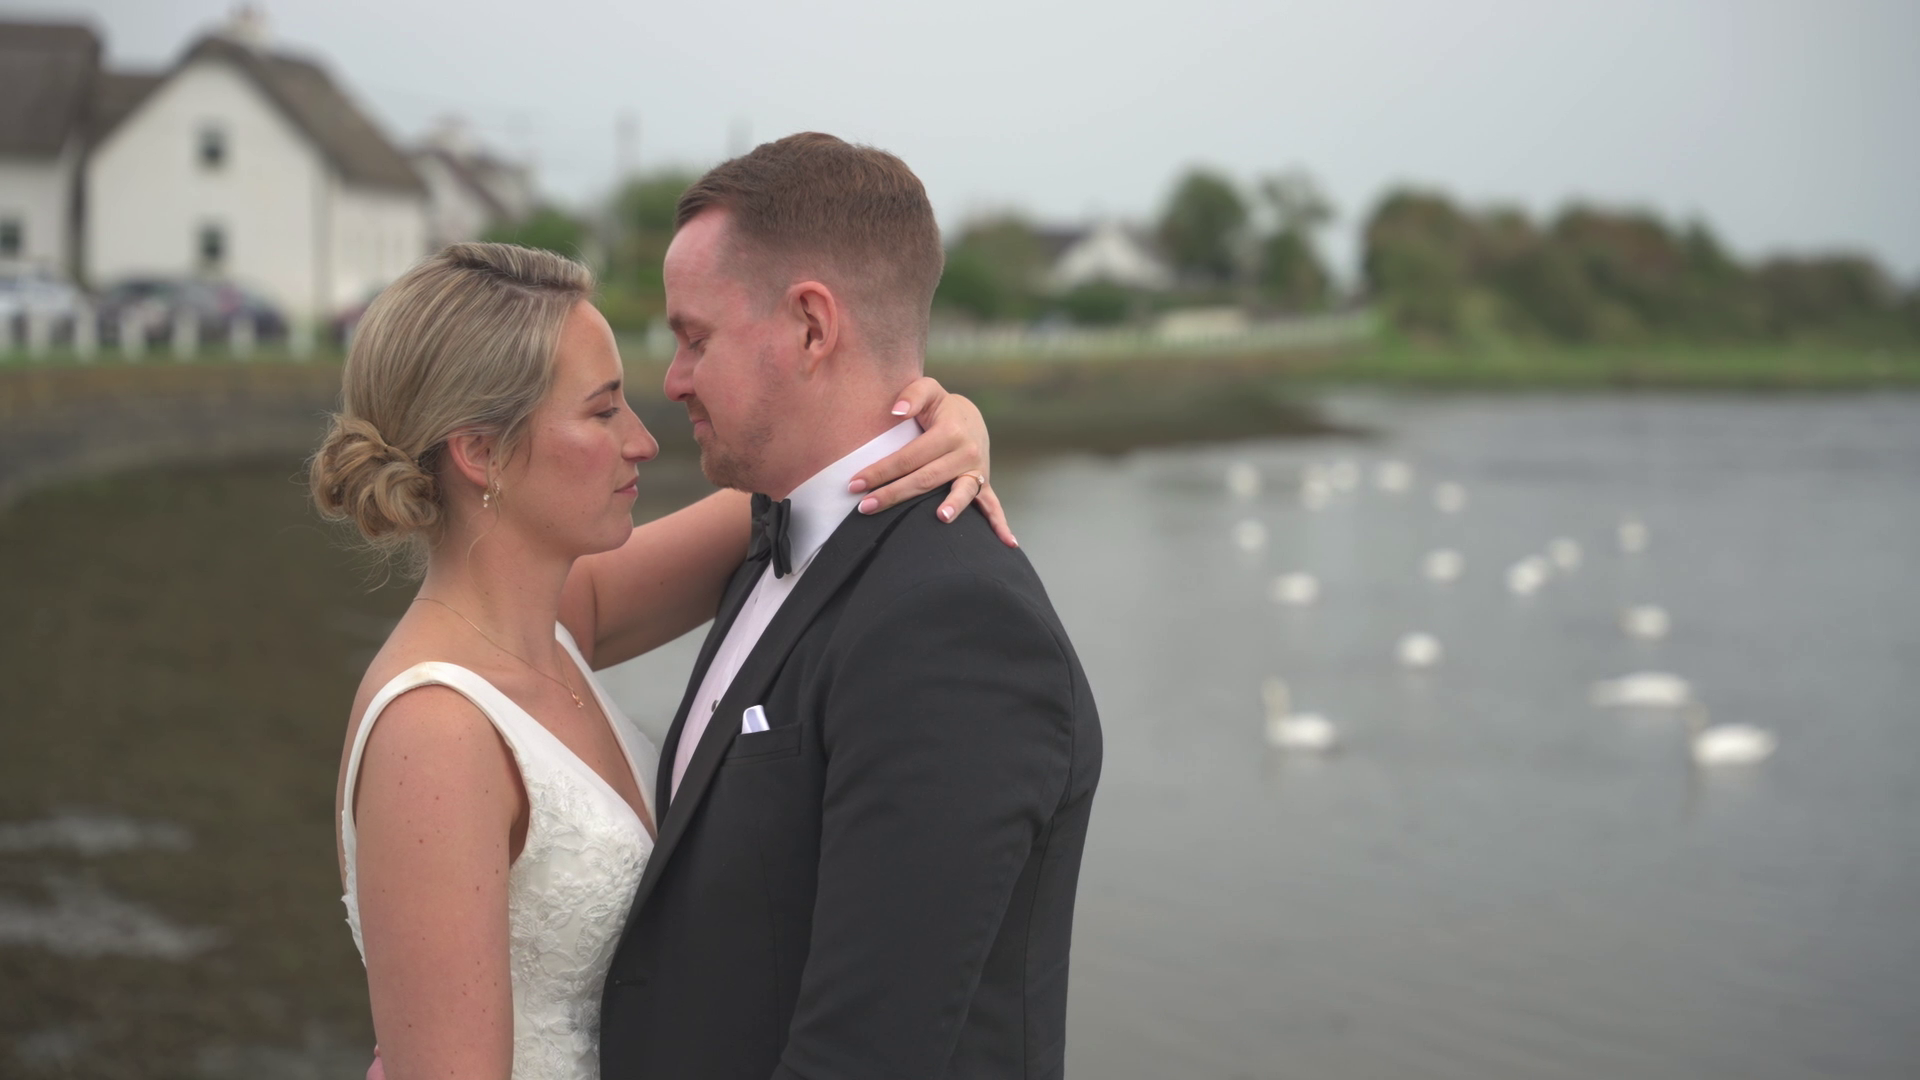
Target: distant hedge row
{"points": [[1602, 276]]}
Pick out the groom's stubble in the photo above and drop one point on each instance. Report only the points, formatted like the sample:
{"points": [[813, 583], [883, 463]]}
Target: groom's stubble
{"points": [[736, 459]]}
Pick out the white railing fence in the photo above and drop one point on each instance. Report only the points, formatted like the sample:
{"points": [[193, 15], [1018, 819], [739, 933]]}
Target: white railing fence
{"points": [[83, 335]]}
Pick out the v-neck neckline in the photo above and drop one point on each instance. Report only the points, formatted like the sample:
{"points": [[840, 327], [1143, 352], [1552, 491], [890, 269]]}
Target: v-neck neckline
{"points": [[580, 763]]}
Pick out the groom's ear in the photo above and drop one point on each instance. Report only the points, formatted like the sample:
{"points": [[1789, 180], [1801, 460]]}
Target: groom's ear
{"points": [[818, 318]]}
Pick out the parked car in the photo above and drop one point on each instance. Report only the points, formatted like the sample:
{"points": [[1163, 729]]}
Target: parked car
{"points": [[30, 292], [345, 321], [215, 305]]}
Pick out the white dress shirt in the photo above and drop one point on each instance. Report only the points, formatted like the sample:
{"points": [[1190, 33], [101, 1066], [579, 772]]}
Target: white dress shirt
{"points": [[818, 508]]}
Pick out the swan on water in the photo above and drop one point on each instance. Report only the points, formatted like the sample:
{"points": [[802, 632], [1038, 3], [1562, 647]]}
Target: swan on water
{"points": [[1633, 535], [1449, 497], [1288, 730], [1728, 744], [1296, 590], [1642, 690], [1243, 480], [1443, 566], [1315, 492], [1525, 577], [1250, 536], [1418, 650], [1393, 477], [1648, 622], [1565, 552]]}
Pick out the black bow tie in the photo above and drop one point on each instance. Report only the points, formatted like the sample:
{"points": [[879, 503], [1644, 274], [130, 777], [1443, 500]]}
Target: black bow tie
{"points": [[772, 523]]}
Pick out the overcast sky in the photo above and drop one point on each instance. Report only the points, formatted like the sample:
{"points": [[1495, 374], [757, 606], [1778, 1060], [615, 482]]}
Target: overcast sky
{"points": [[1789, 126]]}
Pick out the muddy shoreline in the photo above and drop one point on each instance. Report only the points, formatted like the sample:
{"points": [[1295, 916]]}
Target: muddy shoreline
{"points": [[66, 423]]}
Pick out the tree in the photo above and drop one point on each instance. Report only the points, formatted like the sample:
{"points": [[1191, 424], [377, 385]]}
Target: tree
{"points": [[1202, 226], [1291, 273], [1418, 260], [969, 284], [547, 229], [994, 269], [1098, 303]]}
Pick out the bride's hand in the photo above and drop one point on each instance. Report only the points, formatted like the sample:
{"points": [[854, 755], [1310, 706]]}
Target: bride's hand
{"points": [[952, 448]]}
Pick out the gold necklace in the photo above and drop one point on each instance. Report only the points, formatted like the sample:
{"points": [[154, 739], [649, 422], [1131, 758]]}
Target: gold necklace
{"points": [[577, 703]]}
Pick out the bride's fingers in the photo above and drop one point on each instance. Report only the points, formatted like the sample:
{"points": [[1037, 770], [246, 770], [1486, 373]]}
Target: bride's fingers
{"points": [[996, 517], [919, 394], [914, 484], [909, 459], [968, 489], [958, 433]]}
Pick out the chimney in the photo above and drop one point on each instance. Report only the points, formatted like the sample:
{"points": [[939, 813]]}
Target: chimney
{"points": [[246, 26]]}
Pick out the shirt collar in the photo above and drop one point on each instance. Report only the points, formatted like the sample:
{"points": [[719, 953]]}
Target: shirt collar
{"points": [[822, 503]]}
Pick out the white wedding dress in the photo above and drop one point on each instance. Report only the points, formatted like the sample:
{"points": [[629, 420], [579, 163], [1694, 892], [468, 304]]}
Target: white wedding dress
{"points": [[569, 890]]}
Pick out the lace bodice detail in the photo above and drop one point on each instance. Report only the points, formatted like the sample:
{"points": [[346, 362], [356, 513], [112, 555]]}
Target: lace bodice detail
{"points": [[568, 891]]}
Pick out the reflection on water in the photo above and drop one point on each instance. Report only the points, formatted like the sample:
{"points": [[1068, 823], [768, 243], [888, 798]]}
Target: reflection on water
{"points": [[1491, 878]]}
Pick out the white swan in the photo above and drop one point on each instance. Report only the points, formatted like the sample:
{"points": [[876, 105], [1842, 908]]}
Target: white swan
{"points": [[1296, 590], [1525, 577], [1393, 477], [1443, 566], [1648, 622], [1243, 480], [1728, 744], [1642, 690], [1565, 553], [1315, 492], [1633, 535], [1288, 730], [1418, 650]]}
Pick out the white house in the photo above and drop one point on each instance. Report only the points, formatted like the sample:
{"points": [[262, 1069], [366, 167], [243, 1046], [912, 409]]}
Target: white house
{"points": [[252, 165], [47, 84], [1108, 252], [469, 190]]}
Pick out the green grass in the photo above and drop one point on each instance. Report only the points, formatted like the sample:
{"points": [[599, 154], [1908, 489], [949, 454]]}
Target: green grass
{"points": [[1517, 366], [1384, 361]]}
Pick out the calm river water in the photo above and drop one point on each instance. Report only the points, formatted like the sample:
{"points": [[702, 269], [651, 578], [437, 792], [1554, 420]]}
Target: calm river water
{"points": [[1493, 879]]}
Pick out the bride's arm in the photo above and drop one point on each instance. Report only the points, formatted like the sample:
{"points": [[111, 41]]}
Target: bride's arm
{"points": [[437, 804], [667, 578]]}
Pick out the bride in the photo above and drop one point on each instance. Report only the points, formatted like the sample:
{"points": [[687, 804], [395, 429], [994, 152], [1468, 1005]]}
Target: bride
{"points": [[495, 808]]}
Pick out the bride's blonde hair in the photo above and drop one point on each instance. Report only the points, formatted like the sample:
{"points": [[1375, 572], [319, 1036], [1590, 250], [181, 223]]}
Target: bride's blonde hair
{"points": [[463, 342]]}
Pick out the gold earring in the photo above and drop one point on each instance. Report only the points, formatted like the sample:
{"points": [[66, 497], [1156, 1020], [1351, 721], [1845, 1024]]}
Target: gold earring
{"points": [[487, 496]]}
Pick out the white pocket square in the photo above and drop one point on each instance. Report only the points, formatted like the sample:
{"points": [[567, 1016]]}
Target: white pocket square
{"points": [[754, 719]]}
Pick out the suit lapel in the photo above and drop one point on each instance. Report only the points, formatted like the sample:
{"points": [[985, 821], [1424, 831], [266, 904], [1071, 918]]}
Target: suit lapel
{"points": [[844, 552], [731, 601]]}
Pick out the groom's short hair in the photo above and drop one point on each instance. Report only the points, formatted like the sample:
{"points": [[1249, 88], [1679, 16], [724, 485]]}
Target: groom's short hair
{"points": [[854, 217]]}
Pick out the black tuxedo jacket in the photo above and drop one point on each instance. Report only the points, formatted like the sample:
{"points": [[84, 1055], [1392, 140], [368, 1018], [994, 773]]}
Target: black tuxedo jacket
{"points": [[881, 885]]}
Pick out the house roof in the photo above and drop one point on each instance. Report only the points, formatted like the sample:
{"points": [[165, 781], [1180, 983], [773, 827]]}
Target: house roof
{"points": [[115, 93], [51, 87], [304, 91], [46, 81], [464, 170]]}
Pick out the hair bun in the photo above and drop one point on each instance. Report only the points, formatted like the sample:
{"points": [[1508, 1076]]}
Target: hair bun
{"points": [[358, 476]]}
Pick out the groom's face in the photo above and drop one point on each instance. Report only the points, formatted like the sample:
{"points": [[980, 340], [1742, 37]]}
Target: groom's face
{"points": [[730, 354]]}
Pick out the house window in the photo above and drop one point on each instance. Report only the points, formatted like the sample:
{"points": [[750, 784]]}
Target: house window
{"points": [[213, 147], [213, 247], [13, 238]]}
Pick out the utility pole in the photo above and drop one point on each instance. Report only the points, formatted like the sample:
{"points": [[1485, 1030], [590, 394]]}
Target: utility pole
{"points": [[626, 147]]}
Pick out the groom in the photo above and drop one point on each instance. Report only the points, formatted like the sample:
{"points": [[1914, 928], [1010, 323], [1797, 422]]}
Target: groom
{"points": [[877, 787]]}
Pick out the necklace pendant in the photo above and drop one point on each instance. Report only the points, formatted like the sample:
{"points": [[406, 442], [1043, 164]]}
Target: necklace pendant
{"points": [[577, 703]]}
